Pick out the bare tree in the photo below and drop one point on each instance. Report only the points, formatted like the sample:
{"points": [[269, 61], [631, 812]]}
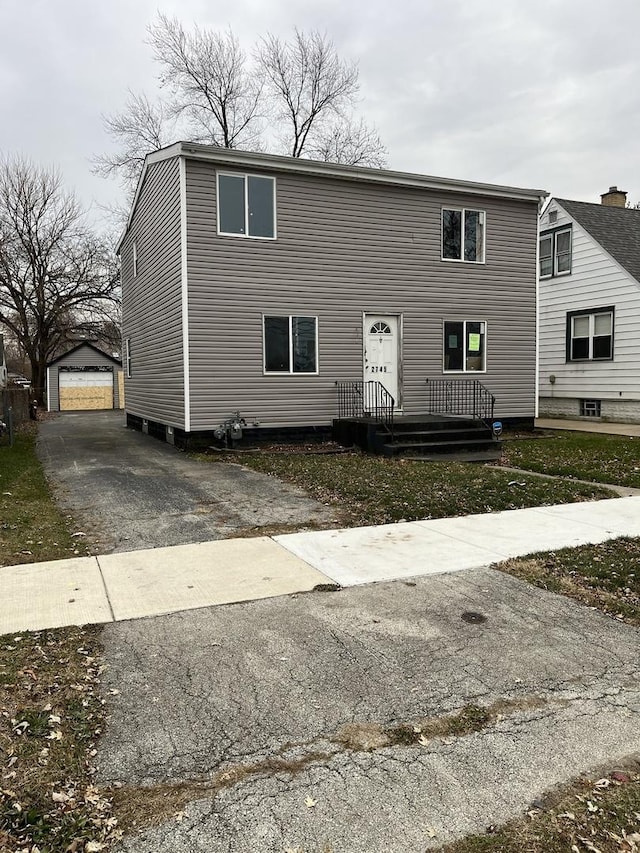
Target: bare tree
{"points": [[350, 143], [211, 86], [309, 83], [215, 94], [141, 127], [54, 271]]}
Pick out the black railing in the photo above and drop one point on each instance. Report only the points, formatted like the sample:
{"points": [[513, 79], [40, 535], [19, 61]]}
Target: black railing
{"points": [[460, 397], [366, 400]]}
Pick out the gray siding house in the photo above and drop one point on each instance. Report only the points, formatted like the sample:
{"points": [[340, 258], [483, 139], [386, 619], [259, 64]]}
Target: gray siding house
{"points": [[252, 284]]}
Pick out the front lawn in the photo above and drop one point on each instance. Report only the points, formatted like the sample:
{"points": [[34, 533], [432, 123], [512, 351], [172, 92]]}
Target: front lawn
{"points": [[582, 455], [375, 490], [606, 576], [32, 528]]}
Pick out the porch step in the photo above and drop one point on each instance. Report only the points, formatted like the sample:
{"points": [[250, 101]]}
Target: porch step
{"points": [[486, 447], [438, 435]]}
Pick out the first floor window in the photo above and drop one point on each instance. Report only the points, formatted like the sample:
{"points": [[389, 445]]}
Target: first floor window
{"points": [[590, 335], [290, 344], [127, 356], [246, 206], [464, 345], [463, 235]]}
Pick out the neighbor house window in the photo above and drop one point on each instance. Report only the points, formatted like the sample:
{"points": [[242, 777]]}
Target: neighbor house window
{"points": [[290, 344], [463, 235], [555, 253], [590, 335], [465, 346], [135, 258], [127, 356], [590, 408], [246, 206]]}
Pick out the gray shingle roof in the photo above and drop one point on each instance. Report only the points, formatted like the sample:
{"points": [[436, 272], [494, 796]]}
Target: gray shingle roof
{"points": [[617, 229]]}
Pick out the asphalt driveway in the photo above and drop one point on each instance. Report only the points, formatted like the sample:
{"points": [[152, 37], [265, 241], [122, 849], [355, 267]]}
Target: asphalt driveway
{"points": [[317, 723], [129, 491]]}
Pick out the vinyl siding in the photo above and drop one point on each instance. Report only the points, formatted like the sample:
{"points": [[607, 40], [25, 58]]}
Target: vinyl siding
{"points": [[344, 248], [83, 357], [595, 281], [152, 301]]}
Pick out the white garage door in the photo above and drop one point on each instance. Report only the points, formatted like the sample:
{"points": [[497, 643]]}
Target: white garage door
{"points": [[86, 389]]}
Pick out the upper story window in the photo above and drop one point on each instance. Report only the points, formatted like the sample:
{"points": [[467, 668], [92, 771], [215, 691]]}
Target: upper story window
{"points": [[246, 206], [464, 346], [590, 335], [135, 258], [290, 344], [555, 252], [463, 235]]}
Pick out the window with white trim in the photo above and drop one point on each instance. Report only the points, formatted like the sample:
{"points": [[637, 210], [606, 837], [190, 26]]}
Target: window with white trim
{"points": [[246, 206], [135, 258], [290, 344], [127, 356], [463, 235], [555, 252], [464, 346], [590, 335]]}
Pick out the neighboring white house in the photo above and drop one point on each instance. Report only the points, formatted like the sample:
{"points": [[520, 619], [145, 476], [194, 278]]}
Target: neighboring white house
{"points": [[589, 309]]}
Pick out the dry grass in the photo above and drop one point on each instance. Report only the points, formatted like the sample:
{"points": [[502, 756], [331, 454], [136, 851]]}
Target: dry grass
{"points": [[51, 715], [597, 814], [32, 528]]}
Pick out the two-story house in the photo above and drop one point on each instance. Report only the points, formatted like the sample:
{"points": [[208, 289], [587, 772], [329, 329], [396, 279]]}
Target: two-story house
{"points": [[589, 333], [261, 285]]}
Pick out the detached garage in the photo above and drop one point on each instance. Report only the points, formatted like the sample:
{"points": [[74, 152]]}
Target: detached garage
{"points": [[85, 378]]}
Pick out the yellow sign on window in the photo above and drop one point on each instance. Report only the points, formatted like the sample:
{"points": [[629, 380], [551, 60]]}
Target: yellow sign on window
{"points": [[474, 342]]}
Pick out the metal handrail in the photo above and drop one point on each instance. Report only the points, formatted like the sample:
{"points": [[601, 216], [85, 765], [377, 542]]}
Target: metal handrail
{"points": [[366, 399], [460, 397]]}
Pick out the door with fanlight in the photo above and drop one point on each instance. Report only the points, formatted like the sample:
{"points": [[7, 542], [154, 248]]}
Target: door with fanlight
{"points": [[382, 352]]}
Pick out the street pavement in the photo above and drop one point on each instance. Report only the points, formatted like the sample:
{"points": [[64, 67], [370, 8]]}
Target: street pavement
{"points": [[309, 723]]}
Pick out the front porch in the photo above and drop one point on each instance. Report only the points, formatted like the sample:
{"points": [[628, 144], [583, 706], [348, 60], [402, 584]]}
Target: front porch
{"points": [[456, 424]]}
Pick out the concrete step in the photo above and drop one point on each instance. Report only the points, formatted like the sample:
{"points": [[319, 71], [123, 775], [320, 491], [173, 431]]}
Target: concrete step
{"points": [[484, 448]]}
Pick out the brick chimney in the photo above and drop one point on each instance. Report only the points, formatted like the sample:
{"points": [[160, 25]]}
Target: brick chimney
{"points": [[614, 198]]}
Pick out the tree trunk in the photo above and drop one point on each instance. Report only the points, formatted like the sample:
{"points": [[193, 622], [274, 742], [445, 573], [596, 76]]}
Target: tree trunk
{"points": [[38, 375]]}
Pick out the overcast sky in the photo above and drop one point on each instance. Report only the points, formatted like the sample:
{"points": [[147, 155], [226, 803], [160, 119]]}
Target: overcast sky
{"points": [[534, 93]]}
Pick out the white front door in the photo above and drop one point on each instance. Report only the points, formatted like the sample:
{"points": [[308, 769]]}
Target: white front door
{"points": [[381, 352]]}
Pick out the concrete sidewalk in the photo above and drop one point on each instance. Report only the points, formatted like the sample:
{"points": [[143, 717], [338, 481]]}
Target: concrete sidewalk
{"points": [[603, 427], [152, 582]]}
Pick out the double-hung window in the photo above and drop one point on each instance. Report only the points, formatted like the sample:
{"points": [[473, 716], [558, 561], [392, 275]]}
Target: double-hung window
{"points": [[465, 346], [290, 344], [246, 206], [463, 235], [555, 252], [590, 335]]}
